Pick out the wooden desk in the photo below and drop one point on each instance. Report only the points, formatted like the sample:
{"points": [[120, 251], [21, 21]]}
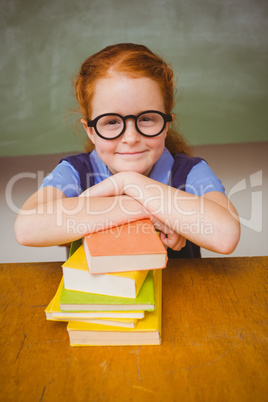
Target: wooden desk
{"points": [[214, 339]]}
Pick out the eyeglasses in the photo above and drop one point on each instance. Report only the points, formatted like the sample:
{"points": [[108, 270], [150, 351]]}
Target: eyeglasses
{"points": [[111, 125]]}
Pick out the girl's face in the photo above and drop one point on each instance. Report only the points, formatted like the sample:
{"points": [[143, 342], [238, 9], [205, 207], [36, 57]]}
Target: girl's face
{"points": [[127, 96]]}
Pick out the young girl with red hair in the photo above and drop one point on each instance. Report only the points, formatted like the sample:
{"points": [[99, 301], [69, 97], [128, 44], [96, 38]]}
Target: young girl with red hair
{"points": [[135, 166]]}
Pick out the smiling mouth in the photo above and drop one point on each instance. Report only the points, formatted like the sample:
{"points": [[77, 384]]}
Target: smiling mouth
{"points": [[131, 153]]}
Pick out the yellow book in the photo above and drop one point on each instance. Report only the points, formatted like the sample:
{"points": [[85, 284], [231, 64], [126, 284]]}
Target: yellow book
{"points": [[77, 277], [117, 318], [146, 332]]}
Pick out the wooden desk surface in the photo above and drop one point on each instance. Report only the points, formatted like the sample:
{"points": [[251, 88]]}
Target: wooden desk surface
{"points": [[214, 345]]}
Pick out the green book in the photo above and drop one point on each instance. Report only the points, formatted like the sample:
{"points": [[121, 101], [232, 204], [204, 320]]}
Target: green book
{"points": [[71, 300], [74, 246], [146, 332]]}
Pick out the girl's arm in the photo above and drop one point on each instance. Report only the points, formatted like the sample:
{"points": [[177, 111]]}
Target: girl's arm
{"points": [[210, 221], [49, 218]]}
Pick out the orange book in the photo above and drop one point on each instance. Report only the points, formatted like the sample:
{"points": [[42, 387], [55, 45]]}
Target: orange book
{"points": [[133, 246]]}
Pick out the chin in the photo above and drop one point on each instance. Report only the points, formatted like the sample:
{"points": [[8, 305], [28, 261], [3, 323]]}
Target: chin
{"points": [[141, 171], [134, 169]]}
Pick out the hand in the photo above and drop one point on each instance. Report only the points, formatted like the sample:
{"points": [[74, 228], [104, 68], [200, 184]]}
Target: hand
{"points": [[112, 186], [116, 186], [169, 237], [173, 240]]}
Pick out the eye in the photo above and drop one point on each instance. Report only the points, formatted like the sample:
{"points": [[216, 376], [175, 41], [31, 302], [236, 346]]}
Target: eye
{"points": [[109, 121], [113, 122], [147, 119]]}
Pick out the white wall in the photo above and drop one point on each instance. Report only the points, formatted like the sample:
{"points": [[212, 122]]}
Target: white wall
{"points": [[243, 169]]}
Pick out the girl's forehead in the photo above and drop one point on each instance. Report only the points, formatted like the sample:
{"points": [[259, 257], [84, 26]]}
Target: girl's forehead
{"points": [[121, 91], [122, 82], [121, 77]]}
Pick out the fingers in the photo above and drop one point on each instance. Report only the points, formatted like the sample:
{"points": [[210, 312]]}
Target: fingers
{"points": [[169, 237], [173, 241], [112, 186]]}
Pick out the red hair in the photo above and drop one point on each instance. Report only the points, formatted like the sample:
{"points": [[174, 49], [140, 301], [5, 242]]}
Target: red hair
{"points": [[130, 59]]}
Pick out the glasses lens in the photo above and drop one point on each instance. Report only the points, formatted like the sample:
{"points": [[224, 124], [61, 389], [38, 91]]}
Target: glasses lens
{"points": [[150, 123], [110, 126]]}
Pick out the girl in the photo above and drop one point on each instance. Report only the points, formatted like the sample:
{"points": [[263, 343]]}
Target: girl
{"points": [[139, 167]]}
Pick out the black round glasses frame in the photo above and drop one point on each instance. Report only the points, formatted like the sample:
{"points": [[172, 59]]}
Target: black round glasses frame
{"points": [[93, 123]]}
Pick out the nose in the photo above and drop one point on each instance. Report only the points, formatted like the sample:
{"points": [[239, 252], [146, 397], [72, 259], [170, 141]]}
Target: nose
{"points": [[131, 135]]}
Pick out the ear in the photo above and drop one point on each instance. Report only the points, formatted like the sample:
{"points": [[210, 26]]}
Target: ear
{"points": [[89, 130], [168, 124]]}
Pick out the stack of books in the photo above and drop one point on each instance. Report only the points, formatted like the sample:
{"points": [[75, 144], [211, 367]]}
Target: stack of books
{"points": [[111, 289]]}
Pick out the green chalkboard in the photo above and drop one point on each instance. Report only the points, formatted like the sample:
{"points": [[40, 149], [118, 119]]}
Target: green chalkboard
{"points": [[218, 49]]}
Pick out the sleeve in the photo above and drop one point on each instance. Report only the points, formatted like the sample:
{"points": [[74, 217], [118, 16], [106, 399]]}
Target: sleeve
{"points": [[201, 180], [65, 178]]}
